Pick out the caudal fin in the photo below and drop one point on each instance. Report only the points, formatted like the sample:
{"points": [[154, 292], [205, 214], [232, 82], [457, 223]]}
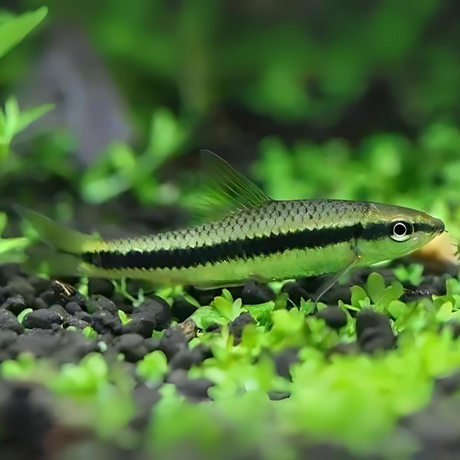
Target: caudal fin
{"points": [[62, 238]]}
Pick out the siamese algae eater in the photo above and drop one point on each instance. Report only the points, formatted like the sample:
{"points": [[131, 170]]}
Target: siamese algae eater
{"points": [[249, 236]]}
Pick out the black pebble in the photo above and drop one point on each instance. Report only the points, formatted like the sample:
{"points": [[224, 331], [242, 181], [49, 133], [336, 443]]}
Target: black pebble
{"points": [[144, 398], [296, 292], [8, 321], [40, 342], [104, 322], [100, 303], [284, 360], [193, 389], [26, 421], [39, 304], [214, 327], [238, 324], [79, 298], [186, 358], [204, 296], [76, 323], [172, 342], [14, 304], [122, 303], [7, 338], [100, 286], [448, 385], [132, 346], [20, 286], [42, 319], [254, 293], [152, 314], [152, 344], [374, 331], [334, 317], [73, 346], [7, 272], [72, 308], [59, 309], [181, 308], [39, 284], [312, 283], [84, 316], [62, 346]]}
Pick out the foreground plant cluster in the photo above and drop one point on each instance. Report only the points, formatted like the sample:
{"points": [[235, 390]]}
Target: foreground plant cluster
{"points": [[260, 370]]}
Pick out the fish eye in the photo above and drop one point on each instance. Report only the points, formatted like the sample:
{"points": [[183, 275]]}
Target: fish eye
{"points": [[401, 231]]}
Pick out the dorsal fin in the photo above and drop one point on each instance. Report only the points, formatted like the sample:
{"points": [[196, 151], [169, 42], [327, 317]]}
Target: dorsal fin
{"points": [[229, 191]]}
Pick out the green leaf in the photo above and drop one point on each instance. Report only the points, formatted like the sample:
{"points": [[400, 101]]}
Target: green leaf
{"points": [[191, 300], [412, 273], [89, 332], [392, 292], [204, 317], [29, 116], [123, 317], [226, 308], [82, 379], [153, 366], [226, 294], [15, 29], [358, 295], [165, 135], [375, 286], [307, 307], [261, 312], [3, 222], [396, 308], [23, 314], [445, 312]]}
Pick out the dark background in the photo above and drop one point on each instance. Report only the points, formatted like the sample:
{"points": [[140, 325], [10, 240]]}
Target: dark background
{"points": [[349, 99]]}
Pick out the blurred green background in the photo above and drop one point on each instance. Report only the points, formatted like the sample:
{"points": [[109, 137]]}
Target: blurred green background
{"points": [[351, 99]]}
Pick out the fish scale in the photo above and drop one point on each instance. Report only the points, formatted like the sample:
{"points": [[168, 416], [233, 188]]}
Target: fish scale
{"points": [[247, 224]]}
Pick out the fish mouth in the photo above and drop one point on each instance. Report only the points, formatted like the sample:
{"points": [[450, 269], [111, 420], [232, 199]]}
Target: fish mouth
{"points": [[439, 226]]}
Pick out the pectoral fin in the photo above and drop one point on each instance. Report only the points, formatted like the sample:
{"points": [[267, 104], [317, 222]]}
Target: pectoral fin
{"points": [[335, 278]]}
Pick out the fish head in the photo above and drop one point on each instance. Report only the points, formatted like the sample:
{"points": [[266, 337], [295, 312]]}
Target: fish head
{"points": [[390, 232]]}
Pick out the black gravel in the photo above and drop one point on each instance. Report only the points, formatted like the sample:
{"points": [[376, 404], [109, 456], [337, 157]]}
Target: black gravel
{"points": [[132, 346], [55, 308], [42, 319], [254, 293], [334, 317], [296, 292], [15, 304], [186, 358], [237, 325], [374, 331], [284, 360], [182, 308], [172, 342], [97, 303], [9, 322], [154, 314]]}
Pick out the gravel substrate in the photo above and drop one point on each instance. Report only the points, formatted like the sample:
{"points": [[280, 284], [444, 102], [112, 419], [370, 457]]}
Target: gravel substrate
{"points": [[47, 320]]}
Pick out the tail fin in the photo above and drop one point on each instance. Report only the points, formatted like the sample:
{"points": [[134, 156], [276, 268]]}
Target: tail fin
{"points": [[62, 238]]}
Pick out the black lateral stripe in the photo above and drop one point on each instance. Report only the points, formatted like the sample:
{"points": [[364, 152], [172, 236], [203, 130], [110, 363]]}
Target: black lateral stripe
{"points": [[231, 250], [238, 249]]}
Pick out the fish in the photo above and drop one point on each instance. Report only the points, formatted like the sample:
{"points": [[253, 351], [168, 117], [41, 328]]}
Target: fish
{"points": [[247, 235]]}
